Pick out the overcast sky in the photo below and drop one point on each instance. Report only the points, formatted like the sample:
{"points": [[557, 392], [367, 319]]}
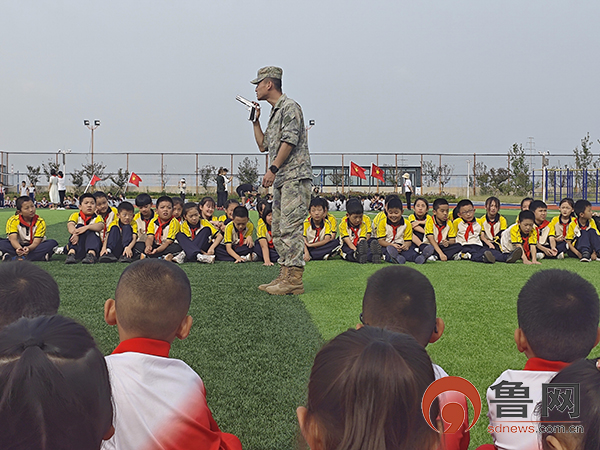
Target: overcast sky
{"points": [[402, 76]]}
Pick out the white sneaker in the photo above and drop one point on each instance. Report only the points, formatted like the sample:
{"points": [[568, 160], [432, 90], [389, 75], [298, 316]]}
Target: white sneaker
{"points": [[466, 255], [432, 258], [247, 258], [561, 255], [58, 250], [253, 257], [540, 256], [208, 259], [457, 257], [179, 258]]}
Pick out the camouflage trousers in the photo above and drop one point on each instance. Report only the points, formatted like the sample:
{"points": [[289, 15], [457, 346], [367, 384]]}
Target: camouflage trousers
{"points": [[290, 209]]}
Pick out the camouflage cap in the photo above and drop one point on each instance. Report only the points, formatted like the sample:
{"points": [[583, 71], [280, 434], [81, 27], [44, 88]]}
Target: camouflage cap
{"points": [[268, 72]]}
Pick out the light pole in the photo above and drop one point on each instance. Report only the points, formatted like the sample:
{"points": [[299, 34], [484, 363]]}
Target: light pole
{"points": [[311, 123], [64, 159], [92, 127], [544, 164]]}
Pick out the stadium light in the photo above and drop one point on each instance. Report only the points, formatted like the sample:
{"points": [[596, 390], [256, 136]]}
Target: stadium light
{"points": [[92, 128]]}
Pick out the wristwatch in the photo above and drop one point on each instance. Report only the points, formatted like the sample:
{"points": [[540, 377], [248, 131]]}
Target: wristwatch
{"points": [[274, 169]]}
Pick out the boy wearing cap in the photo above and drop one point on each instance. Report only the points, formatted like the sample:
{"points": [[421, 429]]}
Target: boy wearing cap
{"points": [[290, 175]]}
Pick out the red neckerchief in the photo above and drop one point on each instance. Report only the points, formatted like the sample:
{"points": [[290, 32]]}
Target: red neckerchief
{"points": [[241, 237], [355, 231], [583, 227], [526, 249], [564, 225], [161, 226], [318, 230], [492, 223], [440, 229], [469, 230], [29, 227], [85, 218], [544, 365], [543, 225], [147, 346], [194, 229], [108, 211], [147, 221]]}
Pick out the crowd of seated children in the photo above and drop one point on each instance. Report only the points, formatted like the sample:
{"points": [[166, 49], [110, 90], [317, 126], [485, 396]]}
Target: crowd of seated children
{"points": [[162, 231], [54, 386], [26, 235], [160, 402], [319, 237], [558, 313], [237, 244], [418, 220], [364, 392], [402, 300], [395, 236], [198, 236], [583, 237], [121, 236], [355, 234], [469, 234], [522, 235], [84, 244], [492, 222], [441, 232], [264, 248]]}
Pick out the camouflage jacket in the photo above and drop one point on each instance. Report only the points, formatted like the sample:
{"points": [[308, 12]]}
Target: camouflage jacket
{"points": [[286, 124]]}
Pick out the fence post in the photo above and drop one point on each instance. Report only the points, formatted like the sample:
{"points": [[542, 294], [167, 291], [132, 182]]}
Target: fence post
{"points": [[440, 174], [343, 173], [421, 173], [196, 173], [162, 172], [474, 178], [372, 175], [396, 172], [231, 184]]}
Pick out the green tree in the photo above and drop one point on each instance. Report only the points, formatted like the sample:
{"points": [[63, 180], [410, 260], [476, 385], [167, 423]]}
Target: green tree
{"points": [[120, 179], [33, 173], [519, 170], [207, 174], [78, 180], [97, 169], [248, 171], [336, 177], [47, 168]]}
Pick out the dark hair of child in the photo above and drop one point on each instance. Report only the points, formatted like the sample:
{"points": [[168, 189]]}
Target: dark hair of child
{"points": [[354, 206], [365, 391], [462, 203], [26, 290], [177, 201], [187, 207], [439, 202], [156, 316], [537, 204], [394, 203], [125, 206], [268, 210], [54, 386], [421, 199], [567, 200], [526, 214], [490, 200], [165, 198], [240, 211], [581, 206], [585, 374], [206, 200], [558, 312], [21, 200], [389, 197], [82, 197], [318, 201], [231, 201], [100, 194], [526, 199], [143, 200], [401, 299]]}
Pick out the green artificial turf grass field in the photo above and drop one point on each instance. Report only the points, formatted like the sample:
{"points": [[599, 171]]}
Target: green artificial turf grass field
{"points": [[254, 352]]}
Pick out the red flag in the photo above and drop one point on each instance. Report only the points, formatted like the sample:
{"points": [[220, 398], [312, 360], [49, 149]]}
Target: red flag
{"points": [[357, 171], [134, 179], [94, 180], [376, 172]]}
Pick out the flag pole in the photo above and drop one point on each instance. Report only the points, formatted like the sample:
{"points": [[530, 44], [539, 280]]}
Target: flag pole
{"points": [[88, 186]]}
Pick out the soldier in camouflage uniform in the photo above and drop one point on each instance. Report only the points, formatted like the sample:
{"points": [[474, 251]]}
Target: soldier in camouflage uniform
{"points": [[290, 175]]}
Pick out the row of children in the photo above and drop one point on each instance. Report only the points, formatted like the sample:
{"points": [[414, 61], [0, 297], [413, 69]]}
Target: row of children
{"points": [[365, 389]]}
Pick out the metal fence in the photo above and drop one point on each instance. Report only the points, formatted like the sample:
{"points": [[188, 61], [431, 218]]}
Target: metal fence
{"points": [[431, 173]]}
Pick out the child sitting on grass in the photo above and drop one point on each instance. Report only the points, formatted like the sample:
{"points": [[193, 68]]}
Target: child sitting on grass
{"points": [[355, 232], [106, 212], [418, 220], [162, 231], [142, 219], [121, 236], [160, 402], [26, 235], [582, 236], [226, 218], [178, 208], [264, 248], [365, 392], [319, 242], [522, 235], [558, 313], [492, 222], [441, 233], [546, 240], [198, 238], [84, 226], [561, 224], [237, 242]]}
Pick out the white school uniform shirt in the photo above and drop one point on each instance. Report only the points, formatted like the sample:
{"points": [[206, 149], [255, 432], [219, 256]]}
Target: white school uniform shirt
{"points": [[61, 184], [159, 402], [537, 371], [24, 191]]}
